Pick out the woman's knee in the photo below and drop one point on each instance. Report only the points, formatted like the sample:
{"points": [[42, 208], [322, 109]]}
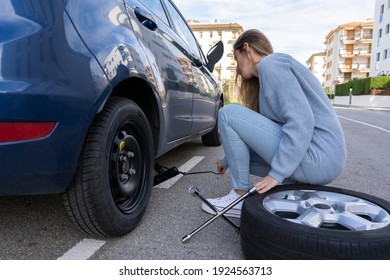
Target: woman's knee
{"points": [[228, 110], [231, 111]]}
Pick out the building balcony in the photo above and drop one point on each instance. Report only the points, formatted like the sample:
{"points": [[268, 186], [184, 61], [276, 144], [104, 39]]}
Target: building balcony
{"points": [[346, 54], [345, 68], [360, 67], [363, 68], [348, 39], [363, 52], [366, 39], [355, 67], [357, 52]]}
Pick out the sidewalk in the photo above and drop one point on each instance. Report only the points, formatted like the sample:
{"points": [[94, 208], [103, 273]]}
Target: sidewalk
{"points": [[373, 102]]}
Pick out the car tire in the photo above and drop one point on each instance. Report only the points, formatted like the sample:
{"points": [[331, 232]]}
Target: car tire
{"points": [[114, 179], [213, 138], [315, 222]]}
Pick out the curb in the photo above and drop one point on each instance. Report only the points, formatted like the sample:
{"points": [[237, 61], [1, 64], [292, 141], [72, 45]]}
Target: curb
{"points": [[385, 109]]}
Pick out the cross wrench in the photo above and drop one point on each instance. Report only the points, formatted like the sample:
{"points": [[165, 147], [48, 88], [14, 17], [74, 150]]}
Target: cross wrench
{"points": [[193, 190], [218, 214]]}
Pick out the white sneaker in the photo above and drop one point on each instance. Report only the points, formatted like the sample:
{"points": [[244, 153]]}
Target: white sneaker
{"points": [[222, 202]]}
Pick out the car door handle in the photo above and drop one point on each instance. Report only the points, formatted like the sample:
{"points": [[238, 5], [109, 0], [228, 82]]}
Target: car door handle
{"points": [[145, 18]]}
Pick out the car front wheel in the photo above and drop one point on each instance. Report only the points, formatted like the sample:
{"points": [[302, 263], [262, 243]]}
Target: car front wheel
{"points": [[213, 138], [113, 183]]}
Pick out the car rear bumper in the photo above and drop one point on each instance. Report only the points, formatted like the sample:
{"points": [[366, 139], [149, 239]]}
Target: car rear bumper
{"points": [[49, 77]]}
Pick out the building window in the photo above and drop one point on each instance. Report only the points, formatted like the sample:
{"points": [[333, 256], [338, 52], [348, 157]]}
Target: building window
{"points": [[381, 13], [388, 4], [379, 37], [387, 28], [385, 54], [378, 58]]}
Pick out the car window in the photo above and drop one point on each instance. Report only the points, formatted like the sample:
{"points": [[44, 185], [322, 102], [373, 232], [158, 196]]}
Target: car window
{"points": [[156, 7], [182, 29]]}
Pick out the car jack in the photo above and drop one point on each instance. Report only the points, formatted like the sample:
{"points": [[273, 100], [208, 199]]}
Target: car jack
{"points": [[164, 174]]}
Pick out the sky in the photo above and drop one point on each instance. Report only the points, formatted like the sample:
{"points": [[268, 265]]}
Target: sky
{"points": [[295, 27]]}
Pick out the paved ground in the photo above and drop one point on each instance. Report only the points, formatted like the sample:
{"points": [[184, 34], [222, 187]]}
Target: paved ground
{"points": [[38, 228]]}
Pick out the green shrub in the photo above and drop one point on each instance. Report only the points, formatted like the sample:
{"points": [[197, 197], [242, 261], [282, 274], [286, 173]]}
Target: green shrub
{"points": [[363, 86], [342, 89], [380, 82]]}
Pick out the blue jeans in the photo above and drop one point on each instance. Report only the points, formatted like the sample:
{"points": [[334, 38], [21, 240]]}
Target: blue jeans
{"points": [[250, 142]]}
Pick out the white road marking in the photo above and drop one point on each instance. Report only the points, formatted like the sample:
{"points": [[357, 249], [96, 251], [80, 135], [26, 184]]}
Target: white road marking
{"points": [[83, 250], [184, 168], [363, 123]]}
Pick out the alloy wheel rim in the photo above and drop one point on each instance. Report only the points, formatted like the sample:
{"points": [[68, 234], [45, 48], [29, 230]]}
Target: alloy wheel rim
{"points": [[327, 210]]}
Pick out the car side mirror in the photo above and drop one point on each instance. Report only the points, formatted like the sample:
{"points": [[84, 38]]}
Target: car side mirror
{"points": [[214, 55]]}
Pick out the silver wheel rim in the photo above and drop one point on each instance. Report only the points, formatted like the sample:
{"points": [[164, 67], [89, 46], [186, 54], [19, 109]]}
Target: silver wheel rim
{"points": [[329, 210]]}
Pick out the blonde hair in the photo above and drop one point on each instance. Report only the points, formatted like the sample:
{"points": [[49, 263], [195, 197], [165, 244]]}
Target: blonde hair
{"points": [[249, 88]]}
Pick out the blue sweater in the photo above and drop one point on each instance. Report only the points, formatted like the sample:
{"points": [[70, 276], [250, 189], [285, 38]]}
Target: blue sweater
{"points": [[293, 97]]}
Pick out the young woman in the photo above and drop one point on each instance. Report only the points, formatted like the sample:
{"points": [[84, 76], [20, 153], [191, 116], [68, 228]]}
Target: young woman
{"points": [[286, 132]]}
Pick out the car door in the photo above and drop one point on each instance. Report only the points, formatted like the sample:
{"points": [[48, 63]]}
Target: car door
{"points": [[206, 94], [206, 100], [171, 65]]}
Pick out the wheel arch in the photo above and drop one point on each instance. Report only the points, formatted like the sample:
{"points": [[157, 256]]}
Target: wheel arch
{"points": [[140, 92]]}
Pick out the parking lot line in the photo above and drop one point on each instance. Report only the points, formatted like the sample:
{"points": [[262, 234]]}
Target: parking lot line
{"points": [[83, 250], [184, 168]]}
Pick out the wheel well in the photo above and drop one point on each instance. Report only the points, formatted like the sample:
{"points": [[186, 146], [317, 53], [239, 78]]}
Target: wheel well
{"points": [[141, 93]]}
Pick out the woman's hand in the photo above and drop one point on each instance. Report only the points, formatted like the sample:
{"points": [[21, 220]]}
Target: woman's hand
{"points": [[220, 167], [266, 184]]}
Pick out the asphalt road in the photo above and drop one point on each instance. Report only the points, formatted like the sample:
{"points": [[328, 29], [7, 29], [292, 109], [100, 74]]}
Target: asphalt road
{"points": [[38, 228]]}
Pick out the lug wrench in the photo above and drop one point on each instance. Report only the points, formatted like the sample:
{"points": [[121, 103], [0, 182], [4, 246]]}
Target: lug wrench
{"points": [[194, 190]]}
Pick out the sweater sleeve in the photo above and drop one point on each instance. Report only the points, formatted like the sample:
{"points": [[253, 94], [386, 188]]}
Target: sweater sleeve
{"points": [[287, 100]]}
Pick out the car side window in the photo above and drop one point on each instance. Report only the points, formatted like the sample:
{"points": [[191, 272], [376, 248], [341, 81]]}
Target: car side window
{"points": [[156, 7], [182, 29]]}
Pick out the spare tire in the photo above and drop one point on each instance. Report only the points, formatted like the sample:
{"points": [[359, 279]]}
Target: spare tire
{"points": [[315, 222]]}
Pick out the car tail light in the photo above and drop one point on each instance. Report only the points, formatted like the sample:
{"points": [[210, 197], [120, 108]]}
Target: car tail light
{"points": [[21, 131]]}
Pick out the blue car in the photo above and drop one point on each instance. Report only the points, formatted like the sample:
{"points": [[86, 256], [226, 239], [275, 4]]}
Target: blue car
{"points": [[91, 93]]}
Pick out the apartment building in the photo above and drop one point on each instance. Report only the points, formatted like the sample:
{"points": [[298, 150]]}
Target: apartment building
{"points": [[316, 65], [208, 34], [348, 53], [380, 62]]}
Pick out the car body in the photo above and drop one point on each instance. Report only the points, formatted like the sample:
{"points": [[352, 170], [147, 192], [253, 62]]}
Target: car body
{"points": [[91, 92]]}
